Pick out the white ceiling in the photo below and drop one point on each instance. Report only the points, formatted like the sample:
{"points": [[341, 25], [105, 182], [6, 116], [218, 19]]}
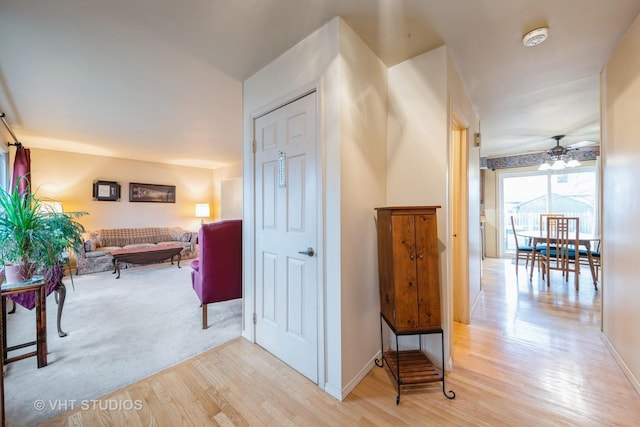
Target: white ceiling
{"points": [[161, 80]]}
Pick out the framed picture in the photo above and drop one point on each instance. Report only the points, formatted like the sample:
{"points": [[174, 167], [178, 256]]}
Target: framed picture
{"points": [[152, 193], [106, 191]]}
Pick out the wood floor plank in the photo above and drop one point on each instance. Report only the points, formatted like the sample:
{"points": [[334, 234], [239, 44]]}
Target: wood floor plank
{"points": [[532, 356]]}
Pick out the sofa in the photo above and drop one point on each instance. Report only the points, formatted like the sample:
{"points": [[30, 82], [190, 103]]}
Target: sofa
{"points": [[95, 255]]}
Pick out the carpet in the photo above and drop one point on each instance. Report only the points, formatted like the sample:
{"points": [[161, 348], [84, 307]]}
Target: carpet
{"points": [[119, 331]]}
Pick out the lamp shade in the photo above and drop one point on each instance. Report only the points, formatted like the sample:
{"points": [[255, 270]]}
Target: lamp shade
{"points": [[202, 210], [558, 165], [51, 206]]}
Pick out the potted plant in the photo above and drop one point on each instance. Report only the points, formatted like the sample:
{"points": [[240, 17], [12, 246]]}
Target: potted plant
{"points": [[32, 235]]}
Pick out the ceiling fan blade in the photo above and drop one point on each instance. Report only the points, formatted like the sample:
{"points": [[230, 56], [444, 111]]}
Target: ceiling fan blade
{"points": [[587, 148], [582, 144]]}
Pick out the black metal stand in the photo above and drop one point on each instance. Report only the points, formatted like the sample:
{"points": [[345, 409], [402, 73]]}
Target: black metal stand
{"points": [[419, 369]]}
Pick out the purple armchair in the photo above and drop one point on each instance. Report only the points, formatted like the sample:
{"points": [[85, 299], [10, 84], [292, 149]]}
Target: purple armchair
{"points": [[217, 272]]}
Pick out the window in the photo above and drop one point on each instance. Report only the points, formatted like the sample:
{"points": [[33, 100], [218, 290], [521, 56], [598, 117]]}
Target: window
{"points": [[4, 170], [526, 195]]}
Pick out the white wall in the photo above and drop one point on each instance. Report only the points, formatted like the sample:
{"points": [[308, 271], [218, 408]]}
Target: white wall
{"points": [[363, 138], [227, 192], [417, 149], [231, 199], [621, 229]]}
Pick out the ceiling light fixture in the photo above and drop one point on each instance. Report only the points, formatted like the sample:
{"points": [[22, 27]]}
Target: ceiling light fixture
{"points": [[559, 157], [535, 37], [558, 163]]}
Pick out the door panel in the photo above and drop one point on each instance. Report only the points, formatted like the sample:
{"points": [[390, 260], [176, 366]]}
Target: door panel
{"points": [[269, 286], [295, 297], [295, 202], [268, 211]]}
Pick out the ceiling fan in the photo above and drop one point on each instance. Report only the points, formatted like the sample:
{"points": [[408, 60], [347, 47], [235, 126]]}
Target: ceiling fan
{"points": [[560, 156], [559, 151]]}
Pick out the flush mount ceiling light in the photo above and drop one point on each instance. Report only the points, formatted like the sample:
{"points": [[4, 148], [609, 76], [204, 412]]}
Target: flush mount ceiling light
{"points": [[535, 37]]}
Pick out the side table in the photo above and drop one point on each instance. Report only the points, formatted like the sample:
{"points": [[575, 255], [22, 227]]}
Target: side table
{"points": [[37, 285]]}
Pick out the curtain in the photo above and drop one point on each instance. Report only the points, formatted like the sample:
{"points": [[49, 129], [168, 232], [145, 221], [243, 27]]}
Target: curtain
{"points": [[21, 168]]}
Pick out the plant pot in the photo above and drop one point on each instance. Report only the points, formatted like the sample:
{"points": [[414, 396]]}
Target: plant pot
{"points": [[18, 273]]}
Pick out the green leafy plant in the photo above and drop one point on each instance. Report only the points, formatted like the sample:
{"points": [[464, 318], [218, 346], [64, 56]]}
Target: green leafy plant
{"points": [[32, 233]]}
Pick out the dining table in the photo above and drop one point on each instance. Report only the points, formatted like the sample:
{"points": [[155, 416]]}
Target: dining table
{"points": [[537, 237]]}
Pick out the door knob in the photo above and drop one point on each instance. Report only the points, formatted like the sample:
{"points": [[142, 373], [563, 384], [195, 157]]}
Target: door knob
{"points": [[308, 252]]}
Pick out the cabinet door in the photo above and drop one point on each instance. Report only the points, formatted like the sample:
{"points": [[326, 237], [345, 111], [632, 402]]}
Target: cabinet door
{"points": [[404, 271], [428, 275], [385, 265]]}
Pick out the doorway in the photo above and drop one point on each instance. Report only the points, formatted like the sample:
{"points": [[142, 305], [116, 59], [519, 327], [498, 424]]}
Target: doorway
{"points": [[459, 219]]}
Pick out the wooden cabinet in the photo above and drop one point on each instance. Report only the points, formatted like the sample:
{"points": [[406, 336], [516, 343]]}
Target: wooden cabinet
{"points": [[409, 290], [409, 268]]}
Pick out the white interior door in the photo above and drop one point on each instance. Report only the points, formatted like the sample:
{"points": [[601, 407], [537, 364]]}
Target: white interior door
{"points": [[286, 279]]}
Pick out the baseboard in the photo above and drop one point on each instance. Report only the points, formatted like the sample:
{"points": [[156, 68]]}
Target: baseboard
{"points": [[625, 369], [353, 383], [475, 303]]}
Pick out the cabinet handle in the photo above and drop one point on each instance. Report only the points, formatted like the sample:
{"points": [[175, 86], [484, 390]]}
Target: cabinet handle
{"points": [[421, 256]]}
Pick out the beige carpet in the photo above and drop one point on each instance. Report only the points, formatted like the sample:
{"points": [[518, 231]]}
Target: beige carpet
{"points": [[120, 331]]}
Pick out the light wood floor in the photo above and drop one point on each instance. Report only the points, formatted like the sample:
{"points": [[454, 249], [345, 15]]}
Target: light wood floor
{"points": [[532, 356]]}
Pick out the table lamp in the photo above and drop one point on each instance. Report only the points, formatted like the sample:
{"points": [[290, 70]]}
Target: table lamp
{"points": [[51, 206], [202, 211]]}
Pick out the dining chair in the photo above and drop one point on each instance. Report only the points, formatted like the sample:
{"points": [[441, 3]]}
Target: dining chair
{"points": [[544, 224], [595, 262], [524, 252], [562, 248]]}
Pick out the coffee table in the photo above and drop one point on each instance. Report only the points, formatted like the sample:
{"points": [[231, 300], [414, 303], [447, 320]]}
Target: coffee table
{"points": [[145, 256]]}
